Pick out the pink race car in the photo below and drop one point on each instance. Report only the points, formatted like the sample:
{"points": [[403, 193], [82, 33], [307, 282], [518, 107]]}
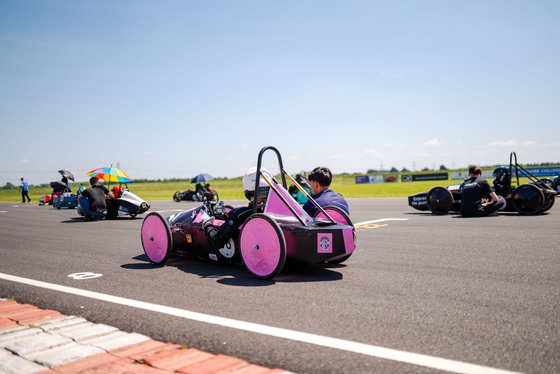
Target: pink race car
{"points": [[277, 230]]}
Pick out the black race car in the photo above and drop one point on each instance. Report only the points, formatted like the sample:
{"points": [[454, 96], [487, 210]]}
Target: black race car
{"points": [[554, 182], [534, 197], [199, 194]]}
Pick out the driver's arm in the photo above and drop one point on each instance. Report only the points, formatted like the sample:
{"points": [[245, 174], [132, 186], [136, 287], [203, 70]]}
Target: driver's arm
{"points": [[110, 194]]}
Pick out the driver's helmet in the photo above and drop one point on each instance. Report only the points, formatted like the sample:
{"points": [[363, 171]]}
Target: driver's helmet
{"points": [[249, 179], [502, 177]]}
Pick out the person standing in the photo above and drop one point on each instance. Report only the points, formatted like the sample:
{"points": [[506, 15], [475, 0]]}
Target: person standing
{"points": [[474, 190], [24, 187]]}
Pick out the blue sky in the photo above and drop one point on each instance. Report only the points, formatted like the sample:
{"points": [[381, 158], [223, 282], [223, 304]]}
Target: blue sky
{"points": [[170, 89]]}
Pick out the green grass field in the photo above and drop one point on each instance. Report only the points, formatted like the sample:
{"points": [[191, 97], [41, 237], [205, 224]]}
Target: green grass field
{"points": [[230, 189]]}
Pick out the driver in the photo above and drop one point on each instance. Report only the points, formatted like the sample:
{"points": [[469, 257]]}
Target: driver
{"points": [[502, 181], [92, 200], [219, 236], [474, 190]]}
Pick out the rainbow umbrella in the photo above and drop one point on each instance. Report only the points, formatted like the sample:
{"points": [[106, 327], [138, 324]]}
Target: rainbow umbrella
{"points": [[110, 174]]}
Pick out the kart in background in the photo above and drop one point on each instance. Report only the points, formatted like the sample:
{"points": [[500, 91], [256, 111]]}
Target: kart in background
{"points": [[553, 182], [535, 197], [281, 231], [61, 196], [66, 200], [198, 195], [125, 203]]}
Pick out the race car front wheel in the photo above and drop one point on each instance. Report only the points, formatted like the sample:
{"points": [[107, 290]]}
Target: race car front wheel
{"points": [[262, 246], [156, 238], [439, 200]]}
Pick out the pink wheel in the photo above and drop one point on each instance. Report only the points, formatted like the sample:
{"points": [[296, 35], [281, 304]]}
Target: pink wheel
{"points": [[262, 246], [339, 216], [336, 213], [156, 238]]}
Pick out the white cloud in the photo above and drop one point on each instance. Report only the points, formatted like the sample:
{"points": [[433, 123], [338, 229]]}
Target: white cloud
{"points": [[24, 161], [528, 143], [420, 154], [511, 143], [433, 142], [374, 152]]}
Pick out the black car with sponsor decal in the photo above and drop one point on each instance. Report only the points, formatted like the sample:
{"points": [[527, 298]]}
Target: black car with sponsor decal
{"points": [[536, 196]]}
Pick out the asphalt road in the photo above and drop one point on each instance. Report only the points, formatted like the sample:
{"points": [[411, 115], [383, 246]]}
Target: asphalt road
{"points": [[418, 289]]}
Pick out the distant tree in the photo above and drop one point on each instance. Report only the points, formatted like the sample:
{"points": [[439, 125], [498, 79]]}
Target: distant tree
{"points": [[425, 169], [371, 171], [9, 186], [405, 170], [394, 170], [442, 167]]}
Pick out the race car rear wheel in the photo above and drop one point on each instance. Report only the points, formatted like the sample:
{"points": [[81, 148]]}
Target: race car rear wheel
{"points": [[156, 238], [262, 246], [527, 199], [339, 216], [177, 196], [439, 200]]}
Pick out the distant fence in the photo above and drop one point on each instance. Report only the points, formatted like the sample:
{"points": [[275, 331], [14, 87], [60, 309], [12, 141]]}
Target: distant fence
{"points": [[387, 178], [462, 175], [455, 175], [425, 177]]}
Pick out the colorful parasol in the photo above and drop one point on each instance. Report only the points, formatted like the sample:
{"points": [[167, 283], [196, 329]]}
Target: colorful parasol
{"points": [[110, 174]]}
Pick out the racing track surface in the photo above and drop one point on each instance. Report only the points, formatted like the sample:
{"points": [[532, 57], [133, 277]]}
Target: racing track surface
{"points": [[481, 291]]}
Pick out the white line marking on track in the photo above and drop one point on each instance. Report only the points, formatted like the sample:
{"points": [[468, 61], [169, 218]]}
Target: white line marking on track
{"points": [[380, 220], [325, 341]]}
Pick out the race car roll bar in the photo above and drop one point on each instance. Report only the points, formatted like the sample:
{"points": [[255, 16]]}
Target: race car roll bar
{"points": [[283, 174], [526, 173]]}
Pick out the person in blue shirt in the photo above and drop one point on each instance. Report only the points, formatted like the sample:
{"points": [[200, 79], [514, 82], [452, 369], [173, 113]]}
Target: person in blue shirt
{"points": [[320, 181], [24, 186]]}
